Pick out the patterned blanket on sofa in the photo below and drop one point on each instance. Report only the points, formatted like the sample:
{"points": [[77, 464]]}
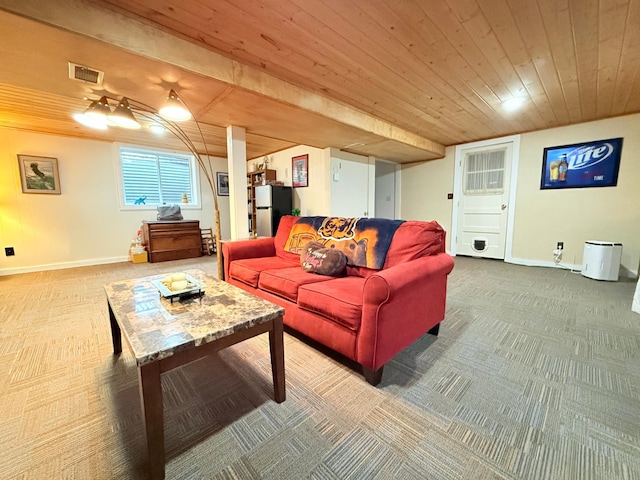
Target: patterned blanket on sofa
{"points": [[364, 241]]}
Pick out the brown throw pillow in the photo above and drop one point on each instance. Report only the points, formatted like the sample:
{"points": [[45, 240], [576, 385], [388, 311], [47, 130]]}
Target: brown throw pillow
{"points": [[315, 258]]}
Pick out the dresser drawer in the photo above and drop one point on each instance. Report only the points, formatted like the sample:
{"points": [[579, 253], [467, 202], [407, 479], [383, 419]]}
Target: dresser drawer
{"points": [[172, 240], [174, 227]]}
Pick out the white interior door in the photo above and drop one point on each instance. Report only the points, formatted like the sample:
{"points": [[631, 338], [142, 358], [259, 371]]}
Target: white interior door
{"points": [[350, 192], [483, 206]]}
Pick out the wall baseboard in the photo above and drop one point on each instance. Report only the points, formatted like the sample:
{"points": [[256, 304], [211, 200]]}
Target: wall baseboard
{"points": [[624, 272], [101, 261], [542, 263], [60, 266]]}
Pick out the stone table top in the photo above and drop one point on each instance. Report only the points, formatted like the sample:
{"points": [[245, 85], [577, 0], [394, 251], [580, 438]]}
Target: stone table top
{"points": [[155, 328]]}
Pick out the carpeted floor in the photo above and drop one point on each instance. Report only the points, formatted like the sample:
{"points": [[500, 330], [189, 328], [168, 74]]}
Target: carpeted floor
{"points": [[535, 375]]}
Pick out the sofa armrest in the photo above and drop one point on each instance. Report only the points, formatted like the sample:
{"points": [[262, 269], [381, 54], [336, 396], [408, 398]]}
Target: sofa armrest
{"points": [[239, 249], [400, 304]]}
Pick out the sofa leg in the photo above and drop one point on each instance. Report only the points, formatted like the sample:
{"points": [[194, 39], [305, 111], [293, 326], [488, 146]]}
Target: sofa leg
{"points": [[434, 330], [372, 376]]}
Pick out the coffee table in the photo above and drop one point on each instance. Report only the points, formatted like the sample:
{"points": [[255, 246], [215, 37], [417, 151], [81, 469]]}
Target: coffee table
{"points": [[163, 335]]}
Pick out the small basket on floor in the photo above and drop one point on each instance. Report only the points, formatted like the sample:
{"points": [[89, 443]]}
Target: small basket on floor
{"points": [[208, 241]]}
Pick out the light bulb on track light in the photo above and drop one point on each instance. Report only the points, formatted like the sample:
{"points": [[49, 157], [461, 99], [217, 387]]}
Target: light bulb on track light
{"points": [[174, 109], [123, 117], [99, 110]]}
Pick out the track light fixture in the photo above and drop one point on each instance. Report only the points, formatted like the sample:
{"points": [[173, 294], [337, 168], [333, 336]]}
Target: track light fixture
{"points": [[99, 111], [91, 121], [98, 115], [122, 116], [174, 109]]}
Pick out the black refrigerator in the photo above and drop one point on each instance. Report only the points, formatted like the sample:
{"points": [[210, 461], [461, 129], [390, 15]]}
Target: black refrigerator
{"points": [[272, 202]]}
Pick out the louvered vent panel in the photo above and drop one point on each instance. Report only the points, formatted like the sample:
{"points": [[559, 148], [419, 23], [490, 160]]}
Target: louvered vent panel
{"points": [[85, 74]]}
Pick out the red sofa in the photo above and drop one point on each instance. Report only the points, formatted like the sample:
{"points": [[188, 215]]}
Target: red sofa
{"points": [[367, 315]]}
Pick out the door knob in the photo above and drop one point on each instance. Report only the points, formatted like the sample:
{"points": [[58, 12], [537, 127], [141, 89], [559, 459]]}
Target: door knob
{"points": [[503, 206]]}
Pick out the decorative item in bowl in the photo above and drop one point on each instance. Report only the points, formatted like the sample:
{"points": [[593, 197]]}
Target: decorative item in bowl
{"points": [[177, 284]]}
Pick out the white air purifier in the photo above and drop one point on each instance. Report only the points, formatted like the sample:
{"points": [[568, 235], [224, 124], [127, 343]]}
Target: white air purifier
{"points": [[601, 260]]}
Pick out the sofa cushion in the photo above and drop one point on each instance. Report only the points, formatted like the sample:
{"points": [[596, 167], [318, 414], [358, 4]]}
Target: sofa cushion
{"points": [[281, 237], [315, 258], [360, 271], [364, 241], [414, 239], [339, 300], [284, 282], [248, 270]]}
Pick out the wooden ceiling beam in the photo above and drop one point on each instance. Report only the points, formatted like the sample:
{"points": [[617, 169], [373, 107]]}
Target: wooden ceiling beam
{"points": [[142, 38]]}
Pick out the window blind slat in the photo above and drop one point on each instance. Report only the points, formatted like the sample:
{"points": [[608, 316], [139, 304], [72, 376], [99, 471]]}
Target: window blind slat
{"points": [[158, 177]]}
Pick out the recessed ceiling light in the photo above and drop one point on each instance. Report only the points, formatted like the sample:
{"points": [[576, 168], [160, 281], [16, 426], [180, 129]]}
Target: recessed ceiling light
{"points": [[513, 104]]}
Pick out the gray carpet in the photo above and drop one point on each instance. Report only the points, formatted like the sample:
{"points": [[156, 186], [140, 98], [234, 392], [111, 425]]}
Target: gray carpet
{"points": [[535, 375]]}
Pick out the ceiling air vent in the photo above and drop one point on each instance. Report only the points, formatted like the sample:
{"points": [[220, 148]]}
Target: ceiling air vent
{"points": [[85, 74]]}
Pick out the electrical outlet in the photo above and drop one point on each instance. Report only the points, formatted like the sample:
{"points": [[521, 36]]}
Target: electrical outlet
{"points": [[9, 252], [560, 246]]}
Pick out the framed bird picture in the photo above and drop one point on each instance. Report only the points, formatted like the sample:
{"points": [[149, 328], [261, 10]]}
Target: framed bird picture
{"points": [[39, 174]]}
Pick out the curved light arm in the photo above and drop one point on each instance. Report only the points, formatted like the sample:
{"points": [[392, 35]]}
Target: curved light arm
{"points": [[151, 113]]}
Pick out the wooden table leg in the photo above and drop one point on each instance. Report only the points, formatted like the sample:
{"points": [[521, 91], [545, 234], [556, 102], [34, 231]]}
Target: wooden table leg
{"points": [[151, 400], [116, 335], [276, 345]]}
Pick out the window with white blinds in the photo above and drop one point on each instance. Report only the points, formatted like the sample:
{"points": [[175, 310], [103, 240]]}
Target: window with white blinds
{"points": [[484, 173], [156, 178]]}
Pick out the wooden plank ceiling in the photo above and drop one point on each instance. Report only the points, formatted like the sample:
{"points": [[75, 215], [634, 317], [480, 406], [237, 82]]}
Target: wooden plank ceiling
{"points": [[398, 79]]}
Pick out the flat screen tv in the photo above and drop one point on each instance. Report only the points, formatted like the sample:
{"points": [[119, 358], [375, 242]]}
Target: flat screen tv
{"points": [[579, 165]]}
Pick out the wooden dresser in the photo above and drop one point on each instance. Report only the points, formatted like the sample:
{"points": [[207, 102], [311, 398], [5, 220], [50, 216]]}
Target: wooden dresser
{"points": [[172, 240]]}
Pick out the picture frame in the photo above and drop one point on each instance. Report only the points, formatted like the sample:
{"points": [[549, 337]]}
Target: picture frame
{"points": [[222, 184], [39, 174], [581, 165], [300, 171]]}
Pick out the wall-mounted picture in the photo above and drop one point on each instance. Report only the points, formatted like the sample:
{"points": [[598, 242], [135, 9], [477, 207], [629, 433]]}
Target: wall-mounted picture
{"points": [[39, 174], [579, 165], [223, 183], [300, 171]]}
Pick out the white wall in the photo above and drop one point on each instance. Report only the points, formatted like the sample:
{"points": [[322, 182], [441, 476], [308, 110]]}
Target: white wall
{"points": [[543, 217], [340, 183], [84, 224], [352, 180], [424, 191], [311, 200]]}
